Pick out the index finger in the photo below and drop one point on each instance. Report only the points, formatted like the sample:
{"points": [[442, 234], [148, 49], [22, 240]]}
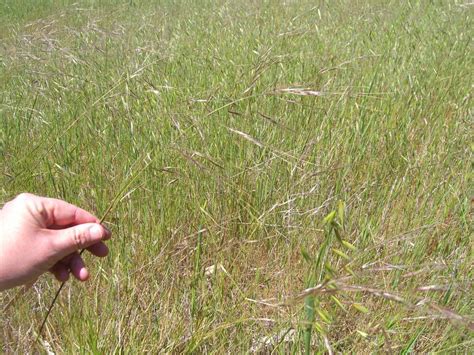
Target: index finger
{"points": [[61, 214]]}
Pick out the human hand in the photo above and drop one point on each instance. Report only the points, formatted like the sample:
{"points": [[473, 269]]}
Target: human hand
{"points": [[39, 234]]}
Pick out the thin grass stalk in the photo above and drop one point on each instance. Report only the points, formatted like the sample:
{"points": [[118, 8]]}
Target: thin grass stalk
{"points": [[111, 206]]}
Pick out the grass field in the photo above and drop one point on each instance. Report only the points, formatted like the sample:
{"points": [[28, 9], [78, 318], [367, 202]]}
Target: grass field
{"points": [[288, 145]]}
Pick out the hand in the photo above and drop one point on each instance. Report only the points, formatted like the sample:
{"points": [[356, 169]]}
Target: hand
{"points": [[39, 234]]}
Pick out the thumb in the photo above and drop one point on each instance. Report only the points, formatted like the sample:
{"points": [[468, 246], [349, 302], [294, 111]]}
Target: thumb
{"points": [[78, 237]]}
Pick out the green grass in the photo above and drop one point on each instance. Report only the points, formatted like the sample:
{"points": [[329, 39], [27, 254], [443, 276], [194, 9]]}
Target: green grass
{"points": [[243, 174]]}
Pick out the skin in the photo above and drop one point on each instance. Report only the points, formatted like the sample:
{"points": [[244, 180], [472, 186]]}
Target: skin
{"points": [[39, 234]]}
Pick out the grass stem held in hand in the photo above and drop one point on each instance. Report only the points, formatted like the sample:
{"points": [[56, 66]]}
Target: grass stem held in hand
{"points": [[104, 216]]}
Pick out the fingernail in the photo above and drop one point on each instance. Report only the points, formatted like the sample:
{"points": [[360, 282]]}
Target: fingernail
{"points": [[96, 232], [83, 274]]}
